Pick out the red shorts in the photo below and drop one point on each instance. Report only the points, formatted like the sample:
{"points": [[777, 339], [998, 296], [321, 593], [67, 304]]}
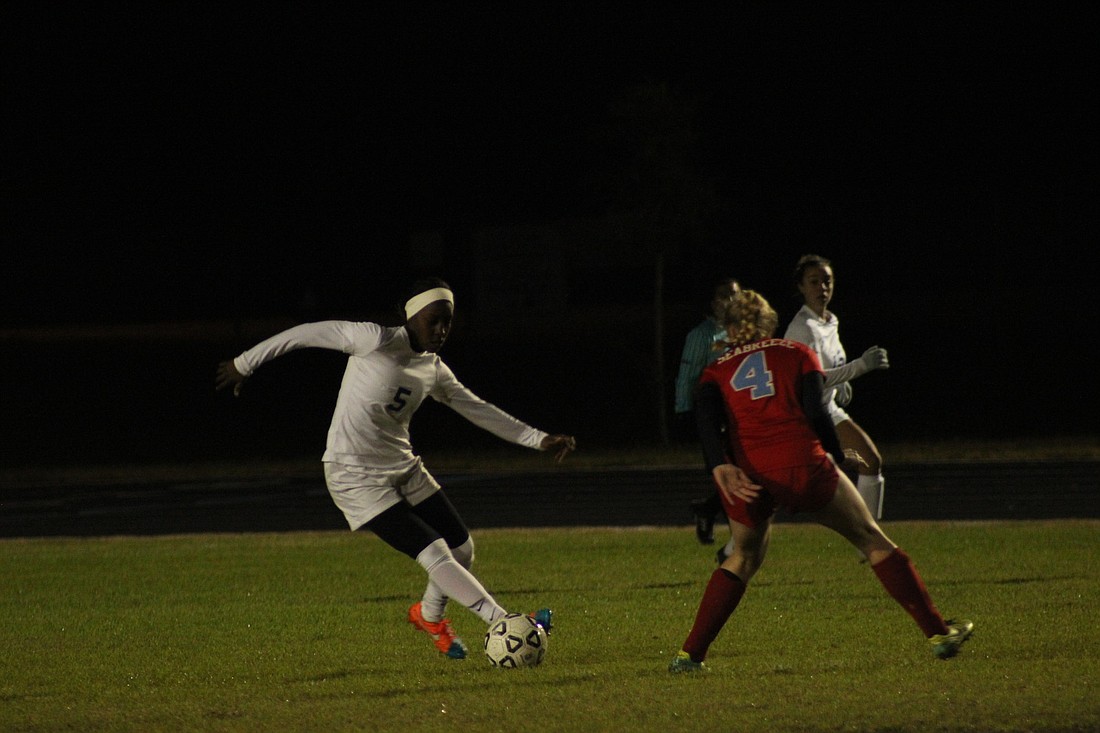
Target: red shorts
{"points": [[805, 488]]}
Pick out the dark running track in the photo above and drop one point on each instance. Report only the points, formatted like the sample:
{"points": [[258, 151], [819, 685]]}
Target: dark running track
{"points": [[617, 497]]}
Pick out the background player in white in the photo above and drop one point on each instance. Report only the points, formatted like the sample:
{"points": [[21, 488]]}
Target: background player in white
{"points": [[817, 327], [371, 471]]}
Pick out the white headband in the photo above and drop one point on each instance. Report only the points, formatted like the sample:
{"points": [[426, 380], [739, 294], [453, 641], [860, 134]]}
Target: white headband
{"points": [[417, 303]]}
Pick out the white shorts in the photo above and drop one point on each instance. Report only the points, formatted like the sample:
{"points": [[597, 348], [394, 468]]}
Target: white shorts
{"points": [[836, 412], [364, 492]]}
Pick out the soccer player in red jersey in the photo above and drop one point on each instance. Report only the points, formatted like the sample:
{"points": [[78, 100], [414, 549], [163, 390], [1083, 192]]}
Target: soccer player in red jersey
{"points": [[770, 443]]}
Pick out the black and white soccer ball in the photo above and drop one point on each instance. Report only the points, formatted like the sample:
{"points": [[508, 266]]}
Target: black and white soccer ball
{"points": [[514, 641]]}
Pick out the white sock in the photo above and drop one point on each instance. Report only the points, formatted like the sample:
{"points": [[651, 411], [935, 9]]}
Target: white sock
{"points": [[457, 582], [871, 488], [433, 605]]}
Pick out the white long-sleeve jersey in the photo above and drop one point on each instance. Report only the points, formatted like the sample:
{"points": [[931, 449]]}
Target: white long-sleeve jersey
{"points": [[821, 335], [384, 383]]}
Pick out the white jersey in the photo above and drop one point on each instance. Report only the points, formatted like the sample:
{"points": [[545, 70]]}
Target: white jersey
{"points": [[384, 383], [823, 336]]}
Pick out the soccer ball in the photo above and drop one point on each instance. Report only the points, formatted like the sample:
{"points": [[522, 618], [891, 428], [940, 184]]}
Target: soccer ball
{"points": [[515, 641]]}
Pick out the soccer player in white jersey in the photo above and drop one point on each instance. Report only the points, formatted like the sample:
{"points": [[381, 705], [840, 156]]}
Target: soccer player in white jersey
{"points": [[818, 327], [371, 471]]}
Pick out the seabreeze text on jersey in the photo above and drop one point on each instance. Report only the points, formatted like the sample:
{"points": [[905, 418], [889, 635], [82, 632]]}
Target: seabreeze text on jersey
{"points": [[746, 348]]}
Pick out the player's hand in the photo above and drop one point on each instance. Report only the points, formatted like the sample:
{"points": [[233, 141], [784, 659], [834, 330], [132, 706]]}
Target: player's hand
{"points": [[875, 358], [228, 376], [852, 460], [563, 445], [735, 483]]}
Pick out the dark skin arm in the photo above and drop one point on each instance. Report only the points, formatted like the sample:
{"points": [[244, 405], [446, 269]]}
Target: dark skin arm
{"points": [[228, 376]]}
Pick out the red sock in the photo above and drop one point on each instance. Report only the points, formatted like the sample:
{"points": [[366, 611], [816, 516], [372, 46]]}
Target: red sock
{"points": [[904, 584], [722, 595]]}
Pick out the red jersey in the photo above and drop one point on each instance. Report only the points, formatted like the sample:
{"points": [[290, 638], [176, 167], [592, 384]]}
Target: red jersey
{"points": [[761, 386]]}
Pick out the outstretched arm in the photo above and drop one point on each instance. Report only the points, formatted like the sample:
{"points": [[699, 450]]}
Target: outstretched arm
{"points": [[873, 358], [489, 417], [342, 336]]}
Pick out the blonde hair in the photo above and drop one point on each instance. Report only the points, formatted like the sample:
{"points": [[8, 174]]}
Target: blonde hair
{"points": [[749, 317]]}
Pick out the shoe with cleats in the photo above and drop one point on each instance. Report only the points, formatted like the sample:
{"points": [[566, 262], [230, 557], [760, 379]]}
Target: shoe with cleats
{"points": [[945, 646], [682, 663], [443, 636], [544, 617], [704, 521]]}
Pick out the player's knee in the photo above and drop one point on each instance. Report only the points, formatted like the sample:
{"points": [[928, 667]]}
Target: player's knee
{"points": [[744, 562], [464, 553], [434, 555]]}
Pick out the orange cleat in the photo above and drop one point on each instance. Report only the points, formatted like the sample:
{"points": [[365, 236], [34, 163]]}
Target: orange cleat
{"points": [[443, 636]]}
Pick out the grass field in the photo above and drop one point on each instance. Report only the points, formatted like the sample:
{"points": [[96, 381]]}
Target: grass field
{"points": [[306, 631]]}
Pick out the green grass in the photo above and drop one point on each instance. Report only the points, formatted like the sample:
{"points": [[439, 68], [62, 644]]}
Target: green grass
{"points": [[306, 631]]}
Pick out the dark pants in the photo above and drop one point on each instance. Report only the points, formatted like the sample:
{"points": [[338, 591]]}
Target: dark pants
{"points": [[409, 529]]}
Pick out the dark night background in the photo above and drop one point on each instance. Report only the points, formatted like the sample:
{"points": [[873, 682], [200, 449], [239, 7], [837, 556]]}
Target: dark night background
{"points": [[181, 180]]}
